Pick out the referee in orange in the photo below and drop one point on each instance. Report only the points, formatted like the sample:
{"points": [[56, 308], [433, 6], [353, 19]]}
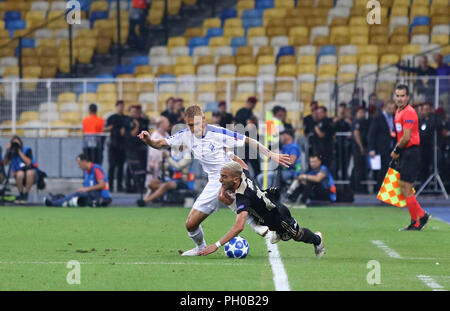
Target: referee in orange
{"points": [[407, 155]]}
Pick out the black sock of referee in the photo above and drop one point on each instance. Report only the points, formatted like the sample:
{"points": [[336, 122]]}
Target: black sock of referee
{"points": [[309, 237]]}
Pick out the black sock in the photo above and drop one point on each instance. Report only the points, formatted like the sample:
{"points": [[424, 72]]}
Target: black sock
{"points": [[309, 237]]}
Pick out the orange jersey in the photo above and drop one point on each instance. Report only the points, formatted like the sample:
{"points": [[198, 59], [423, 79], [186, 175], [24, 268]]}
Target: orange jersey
{"points": [[93, 125], [407, 119]]}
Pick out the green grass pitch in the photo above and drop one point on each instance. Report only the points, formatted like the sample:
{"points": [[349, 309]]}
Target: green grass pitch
{"points": [[137, 249]]}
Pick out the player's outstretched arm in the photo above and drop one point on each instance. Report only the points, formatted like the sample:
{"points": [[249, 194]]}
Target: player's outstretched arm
{"points": [[235, 158], [282, 159], [157, 144], [234, 231]]}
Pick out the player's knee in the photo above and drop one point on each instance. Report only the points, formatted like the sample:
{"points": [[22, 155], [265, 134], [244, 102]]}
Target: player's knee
{"points": [[191, 225]]}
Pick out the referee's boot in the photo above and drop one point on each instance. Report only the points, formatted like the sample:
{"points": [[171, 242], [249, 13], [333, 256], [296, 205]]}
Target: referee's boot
{"points": [[423, 221], [411, 226]]}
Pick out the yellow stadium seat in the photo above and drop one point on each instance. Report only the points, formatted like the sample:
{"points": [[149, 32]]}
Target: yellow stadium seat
{"points": [[256, 32], [359, 30], [176, 41], [106, 88], [401, 3], [242, 60], [411, 49], [348, 59], [321, 40], [277, 22], [233, 22], [399, 39], [11, 71], [244, 50], [295, 21], [327, 69], [212, 22], [299, 31], [420, 30], [266, 50], [266, 60], [165, 69], [99, 6], [388, 59], [418, 11], [184, 70], [368, 59], [85, 55], [306, 68], [155, 16], [441, 39], [439, 10], [298, 41], [219, 41], [379, 40], [390, 49], [306, 59], [194, 32], [234, 32], [67, 97], [29, 116], [286, 71], [247, 70], [359, 40], [205, 60], [276, 31], [399, 11], [245, 5], [286, 4], [173, 7], [358, 11], [184, 60], [287, 59], [226, 60], [206, 87], [32, 71]]}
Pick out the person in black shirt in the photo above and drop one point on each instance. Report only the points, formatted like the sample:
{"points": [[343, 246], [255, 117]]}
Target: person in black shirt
{"points": [[323, 137], [357, 101], [264, 206], [170, 112], [116, 151], [245, 113], [429, 123], [310, 120], [225, 117], [360, 129]]}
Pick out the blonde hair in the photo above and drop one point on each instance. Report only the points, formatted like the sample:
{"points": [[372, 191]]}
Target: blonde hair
{"points": [[193, 111], [233, 167]]}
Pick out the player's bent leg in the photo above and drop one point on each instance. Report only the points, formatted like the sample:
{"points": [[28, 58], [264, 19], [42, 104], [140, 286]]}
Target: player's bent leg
{"points": [[307, 236], [252, 222], [195, 231]]}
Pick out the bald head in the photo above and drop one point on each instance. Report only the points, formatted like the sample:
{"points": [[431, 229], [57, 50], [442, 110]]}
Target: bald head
{"points": [[234, 168]]}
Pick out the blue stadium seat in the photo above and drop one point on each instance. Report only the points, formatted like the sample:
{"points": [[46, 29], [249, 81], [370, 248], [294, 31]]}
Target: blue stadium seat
{"points": [[197, 41], [85, 5], [91, 87], [12, 16], [214, 32], [419, 21], [15, 25], [124, 69], [447, 59], [252, 22], [237, 42], [167, 78], [140, 60], [264, 4], [96, 15], [326, 50], [253, 13], [286, 50], [227, 13]]}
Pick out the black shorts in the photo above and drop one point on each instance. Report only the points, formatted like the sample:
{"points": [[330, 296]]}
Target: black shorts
{"points": [[409, 164], [287, 228]]}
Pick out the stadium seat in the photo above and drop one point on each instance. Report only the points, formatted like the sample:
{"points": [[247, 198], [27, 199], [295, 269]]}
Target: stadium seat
{"points": [[226, 14]]}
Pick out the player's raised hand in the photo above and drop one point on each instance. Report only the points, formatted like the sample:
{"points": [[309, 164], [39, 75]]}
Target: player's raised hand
{"points": [[145, 137], [283, 159]]}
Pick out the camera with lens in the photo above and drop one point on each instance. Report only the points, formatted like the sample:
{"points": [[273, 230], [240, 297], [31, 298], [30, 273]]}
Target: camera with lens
{"points": [[14, 150]]}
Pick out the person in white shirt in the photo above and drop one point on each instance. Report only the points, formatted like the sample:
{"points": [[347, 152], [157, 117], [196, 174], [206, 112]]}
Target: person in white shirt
{"points": [[211, 146]]}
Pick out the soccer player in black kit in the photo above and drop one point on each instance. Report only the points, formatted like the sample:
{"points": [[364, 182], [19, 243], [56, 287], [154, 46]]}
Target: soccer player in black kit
{"points": [[264, 206]]}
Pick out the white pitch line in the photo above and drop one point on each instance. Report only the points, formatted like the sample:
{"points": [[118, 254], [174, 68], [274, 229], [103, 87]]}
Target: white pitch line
{"points": [[431, 283], [280, 277], [386, 249]]}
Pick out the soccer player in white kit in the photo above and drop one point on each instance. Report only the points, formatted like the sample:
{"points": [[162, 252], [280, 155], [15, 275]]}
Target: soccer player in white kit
{"points": [[209, 145]]}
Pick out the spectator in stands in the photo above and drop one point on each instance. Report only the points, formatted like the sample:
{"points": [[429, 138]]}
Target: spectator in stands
{"points": [[280, 113], [135, 150], [225, 118], [381, 139], [290, 147], [116, 151], [443, 71], [429, 124], [423, 85], [155, 156], [170, 113], [342, 124], [375, 105], [245, 113], [357, 100], [310, 120], [92, 135], [178, 172], [179, 110], [323, 137], [317, 184], [360, 130], [138, 14], [95, 190], [23, 167]]}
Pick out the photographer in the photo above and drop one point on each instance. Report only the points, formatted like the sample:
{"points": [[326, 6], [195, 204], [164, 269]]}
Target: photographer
{"points": [[23, 167]]}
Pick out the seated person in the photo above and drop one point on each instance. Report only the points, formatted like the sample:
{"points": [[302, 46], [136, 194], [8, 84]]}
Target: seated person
{"points": [[95, 190], [317, 184], [290, 147], [23, 167], [178, 167]]}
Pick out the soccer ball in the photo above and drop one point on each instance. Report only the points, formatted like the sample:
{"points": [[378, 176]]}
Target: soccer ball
{"points": [[237, 247]]}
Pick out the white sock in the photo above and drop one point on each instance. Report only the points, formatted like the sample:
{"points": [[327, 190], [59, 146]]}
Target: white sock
{"points": [[197, 237]]}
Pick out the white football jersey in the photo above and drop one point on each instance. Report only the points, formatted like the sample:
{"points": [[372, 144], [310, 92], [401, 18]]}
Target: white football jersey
{"points": [[210, 149]]}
